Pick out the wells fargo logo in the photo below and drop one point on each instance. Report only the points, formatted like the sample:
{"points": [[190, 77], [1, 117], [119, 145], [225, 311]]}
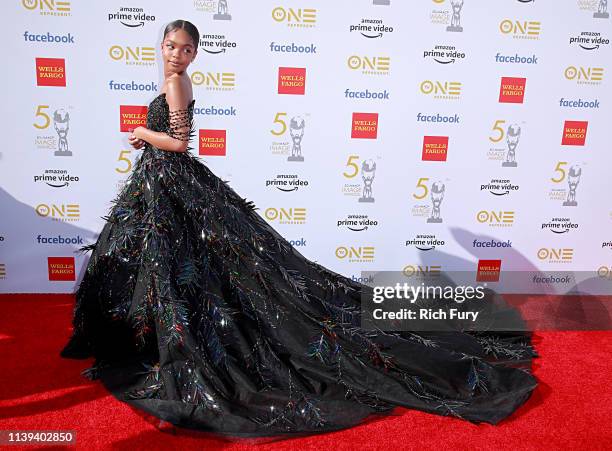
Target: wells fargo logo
{"points": [[553, 255], [133, 56], [2, 271], [512, 90], [488, 270], [286, 215], [61, 268], [521, 29], [574, 133], [496, 218], [422, 271], [360, 254], [48, 7], [364, 126], [62, 212], [215, 81], [300, 17], [435, 148], [370, 65], [50, 72], [584, 75], [292, 80], [213, 142], [446, 90], [132, 116]]}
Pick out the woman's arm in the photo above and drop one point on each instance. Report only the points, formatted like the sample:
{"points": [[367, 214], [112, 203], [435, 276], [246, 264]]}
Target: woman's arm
{"points": [[177, 137]]}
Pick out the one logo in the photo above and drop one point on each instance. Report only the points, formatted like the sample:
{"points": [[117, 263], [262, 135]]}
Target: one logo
{"points": [[215, 111], [422, 271], [50, 38], [292, 80], [56, 178], [213, 142], [60, 213], [48, 7], [496, 218], [60, 240], [589, 40], [216, 44], [50, 72], [574, 133], [292, 145], [222, 11], [371, 28], [364, 126], [61, 268], [512, 90], [444, 54], [295, 18], [585, 75], [301, 242], [560, 225], [435, 148], [286, 215], [355, 254], [370, 65], [445, 90], [132, 116], [488, 270], [556, 255], [131, 17], [215, 81], [525, 29], [133, 56]]}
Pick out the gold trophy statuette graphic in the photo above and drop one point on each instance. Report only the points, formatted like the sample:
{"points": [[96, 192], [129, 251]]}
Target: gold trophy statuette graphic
{"points": [[437, 194], [573, 178], [455, 24], [222, 11], [368, 170], [513, 135], [602, 10], [296, 130], [61, 121]]}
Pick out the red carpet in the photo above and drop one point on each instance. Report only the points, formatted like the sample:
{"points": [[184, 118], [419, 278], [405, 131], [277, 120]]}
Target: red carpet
{"points": [[571, 409]]}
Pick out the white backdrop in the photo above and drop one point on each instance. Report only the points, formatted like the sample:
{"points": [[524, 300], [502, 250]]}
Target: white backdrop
{"points": [[56, 185]]}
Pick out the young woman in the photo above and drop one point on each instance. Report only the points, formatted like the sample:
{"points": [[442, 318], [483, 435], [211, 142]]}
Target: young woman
{"points": [[198, 312]]}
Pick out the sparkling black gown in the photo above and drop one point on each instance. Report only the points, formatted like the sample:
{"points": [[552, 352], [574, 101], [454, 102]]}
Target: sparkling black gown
{"points": [[198, 312]]}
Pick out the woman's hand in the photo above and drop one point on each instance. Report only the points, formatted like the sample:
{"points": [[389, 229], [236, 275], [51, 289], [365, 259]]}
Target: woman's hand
{"points": [[134, 140]]}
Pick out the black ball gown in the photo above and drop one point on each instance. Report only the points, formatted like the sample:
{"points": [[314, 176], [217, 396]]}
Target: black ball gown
{"points": [[198, 312]]}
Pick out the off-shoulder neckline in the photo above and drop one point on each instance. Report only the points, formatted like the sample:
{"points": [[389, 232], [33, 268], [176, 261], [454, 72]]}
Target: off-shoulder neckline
{"points": [[164, 95]]}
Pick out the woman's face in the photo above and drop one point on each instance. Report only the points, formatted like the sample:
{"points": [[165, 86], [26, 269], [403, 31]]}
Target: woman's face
{"points": [[178, 50]]}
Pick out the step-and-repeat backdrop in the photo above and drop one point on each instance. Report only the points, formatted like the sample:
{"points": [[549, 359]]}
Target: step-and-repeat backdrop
{"points": [[416, 136]]}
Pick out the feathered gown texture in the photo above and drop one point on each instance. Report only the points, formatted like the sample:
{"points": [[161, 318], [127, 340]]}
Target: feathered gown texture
{"points": [[198, 312]]}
